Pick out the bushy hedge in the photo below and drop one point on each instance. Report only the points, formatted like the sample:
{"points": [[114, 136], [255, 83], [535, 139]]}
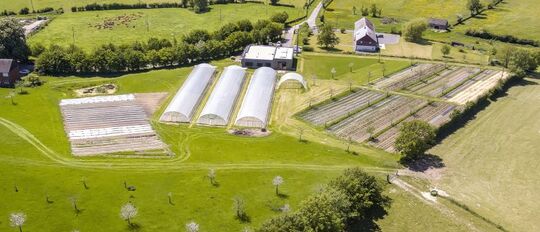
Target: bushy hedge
{"points": [[484, 34], [120, 6], [198, 45]]}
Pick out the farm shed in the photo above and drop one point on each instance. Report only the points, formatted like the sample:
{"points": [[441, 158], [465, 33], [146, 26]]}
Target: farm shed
{"points": [[258, 99], [292, 81], [9, 72], [186, 100], [221, 102], [365, 38], [438, 24], [256, 56]]}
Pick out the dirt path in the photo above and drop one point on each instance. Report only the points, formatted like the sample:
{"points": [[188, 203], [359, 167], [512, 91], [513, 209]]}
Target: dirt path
{"points": [[432, 201], [171, 165]]}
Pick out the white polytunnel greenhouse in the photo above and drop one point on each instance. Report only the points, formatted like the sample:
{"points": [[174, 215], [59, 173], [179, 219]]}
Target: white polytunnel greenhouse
{"points": [[258, 99], [219, 106], [187, 99], [292, 81]]}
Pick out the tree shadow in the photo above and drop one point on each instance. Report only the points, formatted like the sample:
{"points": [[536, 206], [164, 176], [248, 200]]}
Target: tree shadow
{"points": [[424, 163], [282, 195], [243, 218], [216, 184], [368, 223], [134, 227], [331, 49]]}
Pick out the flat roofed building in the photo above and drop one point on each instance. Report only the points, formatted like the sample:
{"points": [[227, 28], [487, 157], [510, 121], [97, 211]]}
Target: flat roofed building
{"points": [[221, 103], [257, 102], [256, 56], [188, 98]]}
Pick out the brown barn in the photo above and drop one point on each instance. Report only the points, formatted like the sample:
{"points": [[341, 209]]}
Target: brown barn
{"points": [[365, 38], [9, 72], [438, 24]]}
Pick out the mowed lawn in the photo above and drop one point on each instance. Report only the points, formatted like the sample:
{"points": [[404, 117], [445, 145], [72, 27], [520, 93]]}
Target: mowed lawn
{"points": [[82, 27], [492, 163], [321, 65]]}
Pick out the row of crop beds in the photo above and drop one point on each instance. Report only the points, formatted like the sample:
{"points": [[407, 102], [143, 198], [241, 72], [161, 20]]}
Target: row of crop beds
{"points": [[323, 114], [436, 114], [362, 125], [444, 81], [409, 76], [475, 87]]}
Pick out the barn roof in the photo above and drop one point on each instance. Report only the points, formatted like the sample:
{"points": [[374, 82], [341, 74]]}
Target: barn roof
{"points": [[364, 27], [5, 65], [438, 22]]}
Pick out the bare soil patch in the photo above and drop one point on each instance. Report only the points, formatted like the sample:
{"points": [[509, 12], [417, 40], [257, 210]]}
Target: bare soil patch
{"points": [[250, 132]]}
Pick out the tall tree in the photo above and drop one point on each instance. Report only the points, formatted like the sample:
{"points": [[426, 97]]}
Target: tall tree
{"points": [[414, 139], [475, 6], [413, 30], [12, 40], [365, 194], [327, 37]]}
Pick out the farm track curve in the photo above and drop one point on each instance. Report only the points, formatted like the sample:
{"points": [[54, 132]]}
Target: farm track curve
{"points": [[172, 165]]}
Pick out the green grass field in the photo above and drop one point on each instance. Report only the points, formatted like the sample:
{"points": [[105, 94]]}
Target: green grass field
{"points": [[35, 157], [321, 65], [492, 163], [160, 23], [16, 5]]}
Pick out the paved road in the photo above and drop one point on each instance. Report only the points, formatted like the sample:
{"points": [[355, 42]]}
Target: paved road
{"points": [[311, 21]]}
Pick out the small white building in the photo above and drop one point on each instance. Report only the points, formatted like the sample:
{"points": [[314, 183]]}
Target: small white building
{"points": [[365, 37], [280, 58]]}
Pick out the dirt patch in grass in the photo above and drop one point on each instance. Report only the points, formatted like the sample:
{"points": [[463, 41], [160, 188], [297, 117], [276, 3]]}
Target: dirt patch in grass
{"points": [[250, 132]]}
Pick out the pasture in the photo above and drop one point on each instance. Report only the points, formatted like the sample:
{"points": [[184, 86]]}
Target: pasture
{"points": [[36, 159], [363, 68], [16, 5], [492, 161], [91, 29]]}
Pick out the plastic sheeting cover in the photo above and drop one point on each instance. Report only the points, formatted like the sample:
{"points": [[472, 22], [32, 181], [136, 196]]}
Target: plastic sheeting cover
{"points": [[258, 99], [221, 102], [187, 99]]}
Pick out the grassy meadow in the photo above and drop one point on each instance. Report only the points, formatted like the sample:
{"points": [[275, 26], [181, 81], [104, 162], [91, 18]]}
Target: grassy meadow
{"points": [[492, 162], [320, 65], [35, 159], [85, 27], [16, 5]]}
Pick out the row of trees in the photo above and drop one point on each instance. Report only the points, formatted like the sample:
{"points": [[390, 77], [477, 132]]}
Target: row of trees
{"points": [[365, 11], [197, 45], [351, 201], [485, 34], [520, 61], [25, 11]]}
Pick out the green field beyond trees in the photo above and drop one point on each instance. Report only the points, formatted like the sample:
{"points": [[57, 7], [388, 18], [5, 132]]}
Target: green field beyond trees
{"points": [[86, 28], [492, 163], [16, 5]]}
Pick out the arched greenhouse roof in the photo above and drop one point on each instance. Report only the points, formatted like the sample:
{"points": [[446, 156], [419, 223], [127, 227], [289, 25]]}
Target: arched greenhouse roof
{"points": [[258, 99], [295, 77], [219, 106], [188, 97]]}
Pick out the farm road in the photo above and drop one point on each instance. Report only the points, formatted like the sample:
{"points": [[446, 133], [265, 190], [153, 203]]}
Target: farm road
{"points": [[171, 165]]}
